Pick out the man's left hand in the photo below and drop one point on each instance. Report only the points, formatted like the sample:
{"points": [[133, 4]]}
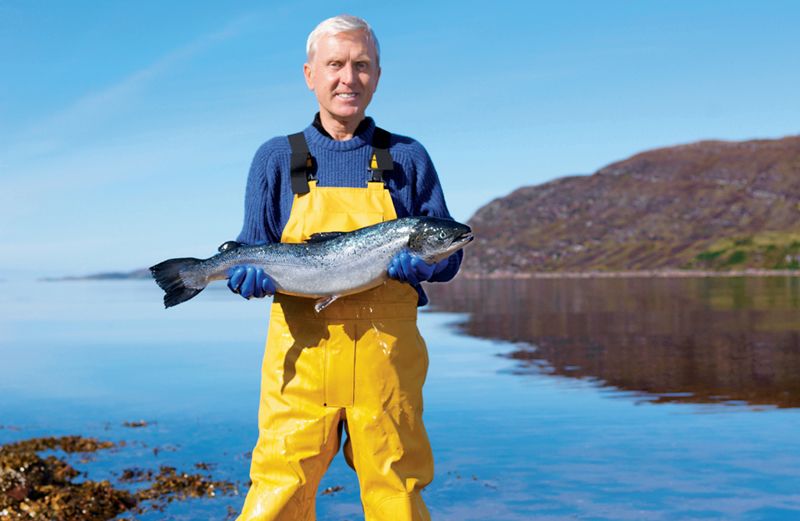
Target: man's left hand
{"points": [[410, 268]]}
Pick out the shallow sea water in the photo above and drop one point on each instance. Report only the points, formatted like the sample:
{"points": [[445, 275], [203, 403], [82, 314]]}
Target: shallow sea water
{"points": [[616, 400]]}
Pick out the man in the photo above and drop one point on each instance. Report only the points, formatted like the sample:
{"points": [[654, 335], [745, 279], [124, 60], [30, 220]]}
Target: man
{"points": [[359, 365]]}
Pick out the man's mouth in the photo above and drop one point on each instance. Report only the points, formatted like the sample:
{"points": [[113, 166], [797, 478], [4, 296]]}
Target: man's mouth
{"points": [[346, 95]]}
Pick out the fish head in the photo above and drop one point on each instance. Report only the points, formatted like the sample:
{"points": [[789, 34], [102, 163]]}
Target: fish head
{"points": [[435, 239]]}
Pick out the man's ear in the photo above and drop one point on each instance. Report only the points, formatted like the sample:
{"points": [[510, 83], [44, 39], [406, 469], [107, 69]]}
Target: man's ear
{"points": [[308, 75]]}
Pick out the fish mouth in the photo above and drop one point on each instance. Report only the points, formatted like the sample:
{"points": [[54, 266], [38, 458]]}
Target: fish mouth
{"points": [[464, 238], [458, 242]]}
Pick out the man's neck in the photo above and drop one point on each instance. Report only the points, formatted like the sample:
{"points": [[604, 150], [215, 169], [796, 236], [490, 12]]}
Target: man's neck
{"points": [[339, 130], [317, 123]]}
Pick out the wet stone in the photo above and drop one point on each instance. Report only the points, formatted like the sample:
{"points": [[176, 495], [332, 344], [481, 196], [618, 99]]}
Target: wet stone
{"points": [[138, 424], [136, 475], [331, 490]]}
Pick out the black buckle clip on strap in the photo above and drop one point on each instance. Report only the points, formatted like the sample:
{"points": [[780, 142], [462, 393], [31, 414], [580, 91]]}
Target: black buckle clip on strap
{"points": [[381, 159]]}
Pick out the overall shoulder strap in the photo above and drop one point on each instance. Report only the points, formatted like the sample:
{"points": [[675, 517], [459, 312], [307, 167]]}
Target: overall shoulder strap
{"points": [[301, 163], [380, 159]]}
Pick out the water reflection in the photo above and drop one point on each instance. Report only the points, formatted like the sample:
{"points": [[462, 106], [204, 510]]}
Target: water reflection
{"points": [[672, 340]]}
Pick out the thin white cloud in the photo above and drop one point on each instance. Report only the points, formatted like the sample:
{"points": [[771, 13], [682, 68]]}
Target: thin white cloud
{"points": [[48, 136]]}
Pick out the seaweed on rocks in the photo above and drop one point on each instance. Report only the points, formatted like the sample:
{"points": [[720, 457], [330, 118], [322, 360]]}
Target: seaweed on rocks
{"points": [[33, 487], [170, 485]]}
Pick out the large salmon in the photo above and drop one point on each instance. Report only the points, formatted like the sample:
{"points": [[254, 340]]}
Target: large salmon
{"points": [[327, 266]]}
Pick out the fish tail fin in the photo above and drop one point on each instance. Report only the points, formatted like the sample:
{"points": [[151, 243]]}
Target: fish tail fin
{"points": [[168, 277]]}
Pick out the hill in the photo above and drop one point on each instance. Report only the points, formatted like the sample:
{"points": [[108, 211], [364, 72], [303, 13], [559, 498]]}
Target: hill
{"points": [[710, 205]]}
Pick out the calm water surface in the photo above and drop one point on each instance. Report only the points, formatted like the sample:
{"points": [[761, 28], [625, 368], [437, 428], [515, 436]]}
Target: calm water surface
{"points": [[555, 399]]}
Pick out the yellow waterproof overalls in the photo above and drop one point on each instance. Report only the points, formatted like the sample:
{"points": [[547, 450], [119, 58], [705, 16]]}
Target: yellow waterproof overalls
{"points": [[359, 363]]}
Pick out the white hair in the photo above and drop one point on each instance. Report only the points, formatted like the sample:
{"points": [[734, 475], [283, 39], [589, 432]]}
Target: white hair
{"points": [[340, 24]]}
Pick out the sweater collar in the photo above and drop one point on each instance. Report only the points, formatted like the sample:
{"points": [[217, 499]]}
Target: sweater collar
{"points": [[316, 133]]}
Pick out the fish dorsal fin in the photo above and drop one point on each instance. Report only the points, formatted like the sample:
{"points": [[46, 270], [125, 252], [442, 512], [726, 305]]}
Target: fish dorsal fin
{"points": [[229, 245], [323, 236]]}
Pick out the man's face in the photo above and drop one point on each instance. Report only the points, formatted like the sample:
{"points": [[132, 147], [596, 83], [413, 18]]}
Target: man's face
{"points": [[343, 73]]}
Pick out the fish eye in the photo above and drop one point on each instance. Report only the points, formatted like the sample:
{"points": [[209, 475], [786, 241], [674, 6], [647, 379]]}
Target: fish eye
{"points": [[442, 234]]}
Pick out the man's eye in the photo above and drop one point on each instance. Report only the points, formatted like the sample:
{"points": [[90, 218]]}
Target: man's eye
{"points": [[335, 64], [362, 66]]}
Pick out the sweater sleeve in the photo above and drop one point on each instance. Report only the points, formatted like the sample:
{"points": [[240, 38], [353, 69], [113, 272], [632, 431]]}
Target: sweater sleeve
{"points": [[256, 200], [429, 201]]}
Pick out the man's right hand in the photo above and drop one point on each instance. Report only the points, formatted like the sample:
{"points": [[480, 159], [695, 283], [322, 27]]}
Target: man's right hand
{"points": [[249, 281]]}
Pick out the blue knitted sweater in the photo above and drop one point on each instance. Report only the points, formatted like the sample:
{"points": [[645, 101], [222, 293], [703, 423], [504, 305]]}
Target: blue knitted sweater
{"points": [[413, 184]]}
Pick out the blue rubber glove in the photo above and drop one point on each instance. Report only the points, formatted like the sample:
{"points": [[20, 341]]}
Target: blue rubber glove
{"points": [[407, 267], [249, 281]]}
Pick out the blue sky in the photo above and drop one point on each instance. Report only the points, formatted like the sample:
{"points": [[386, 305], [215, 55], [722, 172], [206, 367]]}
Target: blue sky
{"points": [[127, 128]]}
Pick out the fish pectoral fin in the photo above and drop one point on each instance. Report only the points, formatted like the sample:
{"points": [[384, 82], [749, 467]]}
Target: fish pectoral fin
{"points": [[324, 302], [323, 236]]}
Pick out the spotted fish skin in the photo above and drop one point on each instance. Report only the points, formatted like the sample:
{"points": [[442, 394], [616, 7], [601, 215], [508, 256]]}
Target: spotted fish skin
{"points": [[329, 266]]}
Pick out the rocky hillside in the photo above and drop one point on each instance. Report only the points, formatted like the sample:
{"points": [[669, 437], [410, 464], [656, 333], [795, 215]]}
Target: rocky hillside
{"points": [[707, 205]]}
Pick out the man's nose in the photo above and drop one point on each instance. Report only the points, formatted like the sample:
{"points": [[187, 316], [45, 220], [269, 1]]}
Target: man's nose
{"points": [[347, 74]]}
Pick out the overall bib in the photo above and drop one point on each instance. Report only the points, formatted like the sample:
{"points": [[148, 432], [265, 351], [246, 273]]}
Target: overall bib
{"points": [[359, 364]]}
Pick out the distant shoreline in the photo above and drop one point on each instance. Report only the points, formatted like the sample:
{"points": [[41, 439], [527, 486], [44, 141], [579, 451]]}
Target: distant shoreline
{"points": [[142, 274], [632, 274], [629, 274]]}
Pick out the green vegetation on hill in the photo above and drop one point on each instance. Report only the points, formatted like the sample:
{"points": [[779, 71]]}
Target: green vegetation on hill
{"points": [[770, 250]]}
